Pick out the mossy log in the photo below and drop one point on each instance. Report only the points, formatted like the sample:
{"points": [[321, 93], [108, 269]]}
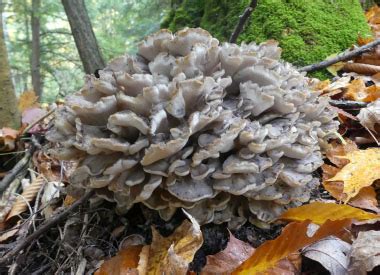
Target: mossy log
{"points": [[308, 30]]}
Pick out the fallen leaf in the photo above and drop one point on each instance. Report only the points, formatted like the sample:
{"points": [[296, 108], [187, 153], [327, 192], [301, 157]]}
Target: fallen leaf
{"points": [[293, 238], [334, 68], [332, 253], [230, 258], [10, 232], [337, 151], [69, 200], [366, 199], [319, 213], [356, 90], [27, 100], [362, 170], [171, 255], [31, 115], [27, 196], [364, 40], [365, 254], [289, 266], [124, 263], [51, 191]]}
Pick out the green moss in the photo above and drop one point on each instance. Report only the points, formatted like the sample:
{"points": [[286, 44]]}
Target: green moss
{"points": [[308, 30]]}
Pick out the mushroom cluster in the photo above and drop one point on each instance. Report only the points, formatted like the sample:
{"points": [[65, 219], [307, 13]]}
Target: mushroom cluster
{"points": [[230, 133]]}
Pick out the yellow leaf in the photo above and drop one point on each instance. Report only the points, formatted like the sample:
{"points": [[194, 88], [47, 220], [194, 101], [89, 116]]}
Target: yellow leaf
{"points": [[27, 99], [170, 255], [27, 196], [319, 213], [293, 237], [334, 68], [362, 170]]}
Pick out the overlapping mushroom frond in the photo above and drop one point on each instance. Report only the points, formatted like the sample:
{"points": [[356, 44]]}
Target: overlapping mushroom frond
{"points": [[227, 132]]}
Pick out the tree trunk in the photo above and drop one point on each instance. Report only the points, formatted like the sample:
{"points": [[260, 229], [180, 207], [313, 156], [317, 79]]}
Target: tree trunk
{"points": [[84, 36], [9, 116], [36, 48]]}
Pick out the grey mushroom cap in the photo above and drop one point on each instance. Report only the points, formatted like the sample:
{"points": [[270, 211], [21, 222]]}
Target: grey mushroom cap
{"points": [[230, 133]]}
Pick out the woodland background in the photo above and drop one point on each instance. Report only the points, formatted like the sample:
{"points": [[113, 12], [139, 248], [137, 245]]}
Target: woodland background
{"points": [[41, 47]]}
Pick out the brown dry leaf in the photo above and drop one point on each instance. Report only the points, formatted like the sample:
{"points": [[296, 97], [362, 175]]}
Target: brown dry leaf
{"points": [[289, 266], [27, 100], [8, 137], [230, 258], [337, 150], [171, 255], [319, 213], [293, 238], [10, 232], [356, 90], [27, 196], [332, 253], [366, 199], [365, 254], [362, 170], [124, 263], [69, 200]]}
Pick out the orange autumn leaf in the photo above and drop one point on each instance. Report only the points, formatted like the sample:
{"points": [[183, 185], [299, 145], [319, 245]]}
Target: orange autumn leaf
{"points": [[27, 100], [319, 213], [361, 171], [356, 90], [364, 40], [125, 262], [294, 237]]}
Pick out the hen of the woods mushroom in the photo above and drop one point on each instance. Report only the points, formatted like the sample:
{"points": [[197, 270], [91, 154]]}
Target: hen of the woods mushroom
{"points": [[230, 133]]}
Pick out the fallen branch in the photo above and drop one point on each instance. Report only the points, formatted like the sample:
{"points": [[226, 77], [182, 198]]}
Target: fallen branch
{"points": [[22, 164], [55, 219], [341, 57], [242, 20]]}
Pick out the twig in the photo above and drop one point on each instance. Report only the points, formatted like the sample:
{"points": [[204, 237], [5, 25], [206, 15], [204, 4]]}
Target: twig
{"points": [[30, 126], [44, 227], [242, 20], [347, 104], [340, 57], [16, 170]]}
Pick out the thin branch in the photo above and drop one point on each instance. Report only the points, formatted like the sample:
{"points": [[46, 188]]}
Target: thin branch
{"points": [[54, 220], [242, 20], [22, 164], [341, 57], [347, 104]]}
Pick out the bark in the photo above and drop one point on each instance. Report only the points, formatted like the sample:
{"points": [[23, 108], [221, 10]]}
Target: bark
{"points": [[36, 48], [9, 116], [84, 36]]}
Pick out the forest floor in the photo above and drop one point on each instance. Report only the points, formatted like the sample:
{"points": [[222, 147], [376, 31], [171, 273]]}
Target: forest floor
{"points": [[46, 231]]}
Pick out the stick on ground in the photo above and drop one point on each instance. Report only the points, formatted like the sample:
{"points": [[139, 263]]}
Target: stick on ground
{"points": [[242, 20], [22, 164], [341, 57], [43, 228]]}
